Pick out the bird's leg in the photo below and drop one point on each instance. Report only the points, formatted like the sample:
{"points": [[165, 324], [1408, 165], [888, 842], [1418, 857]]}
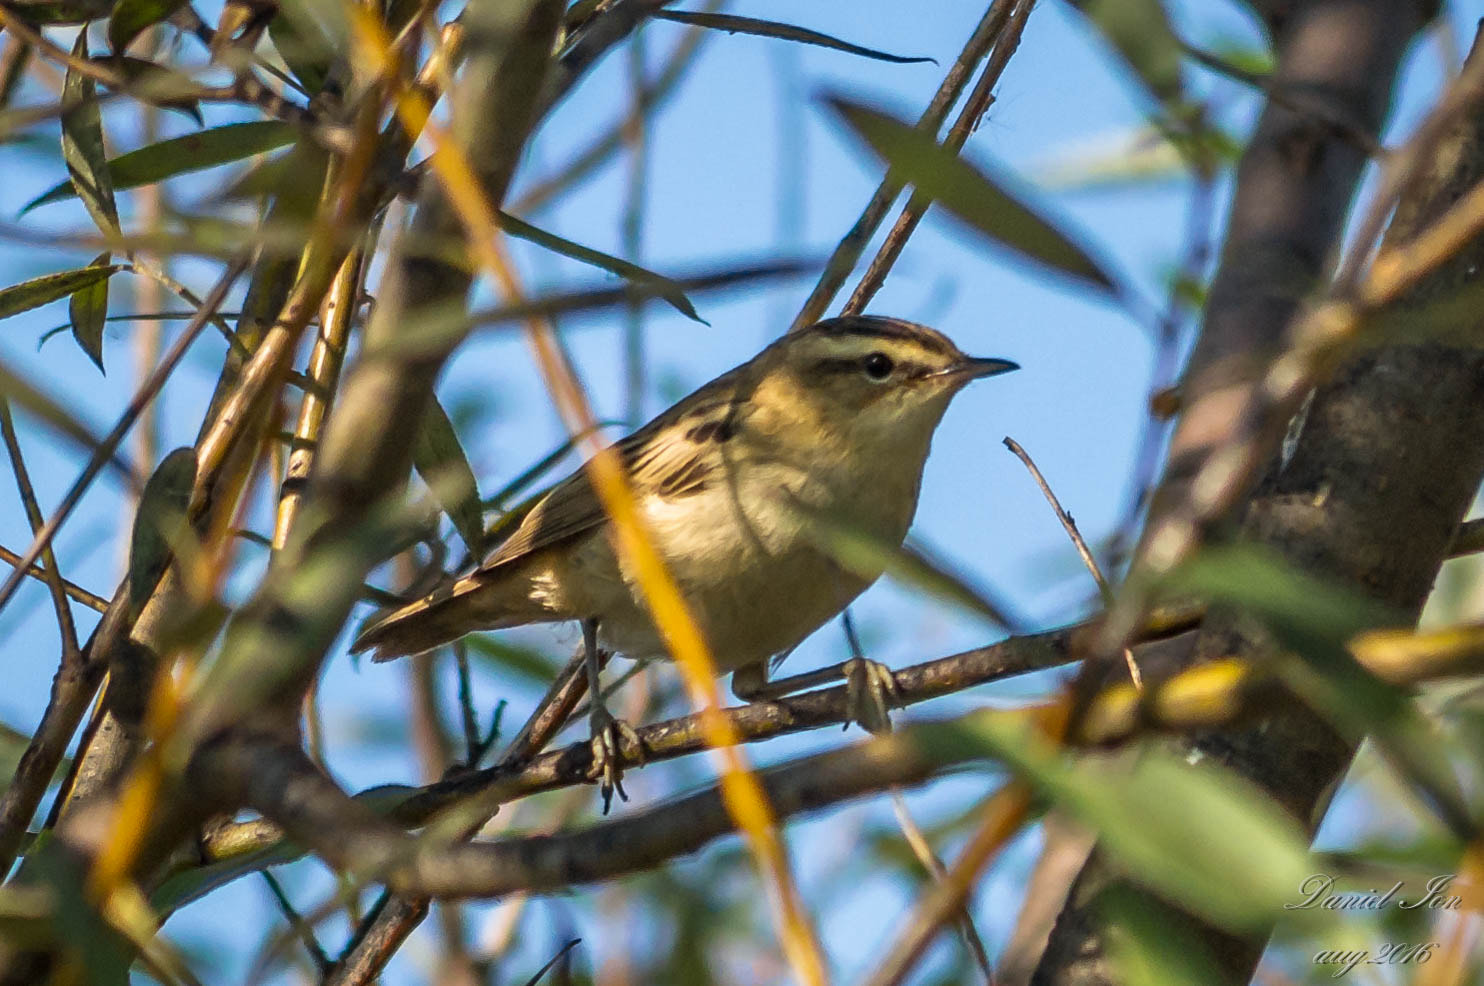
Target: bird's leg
{"points": [[608, 733], [870, 687]]}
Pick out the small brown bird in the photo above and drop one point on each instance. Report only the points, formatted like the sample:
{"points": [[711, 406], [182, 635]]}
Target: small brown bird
{"points": [[833, 420]]}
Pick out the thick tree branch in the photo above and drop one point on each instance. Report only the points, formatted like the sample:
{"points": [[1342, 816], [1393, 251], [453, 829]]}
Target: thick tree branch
{"points": [[1386, 458]]}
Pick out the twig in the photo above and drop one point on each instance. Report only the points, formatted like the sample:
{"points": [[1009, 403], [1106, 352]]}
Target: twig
{"points": [[1003, 815], [141, 399], [850, 248], [66, 628], [387, 926], [1006, 41], [917, 841], [304, 932], [1070, 526], [473, 746], [912, 832], [89, 599], [1195, 254]]}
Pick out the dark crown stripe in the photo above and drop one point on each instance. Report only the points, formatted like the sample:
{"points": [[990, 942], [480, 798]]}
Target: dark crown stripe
{"points": [[879, 327]]}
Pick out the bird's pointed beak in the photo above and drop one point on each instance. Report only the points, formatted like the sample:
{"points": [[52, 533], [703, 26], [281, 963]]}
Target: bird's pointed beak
{"points": [[975, 367]]}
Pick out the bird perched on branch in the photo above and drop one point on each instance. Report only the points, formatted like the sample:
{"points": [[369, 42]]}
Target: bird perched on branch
{"points": [[832, 421]]}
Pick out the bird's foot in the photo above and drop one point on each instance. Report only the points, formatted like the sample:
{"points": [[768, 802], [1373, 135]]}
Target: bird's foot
{"points": [[608, 737], [871, 691]]}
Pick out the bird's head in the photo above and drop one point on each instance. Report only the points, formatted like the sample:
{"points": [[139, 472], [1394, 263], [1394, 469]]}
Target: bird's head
{"points": [[873, 381]]}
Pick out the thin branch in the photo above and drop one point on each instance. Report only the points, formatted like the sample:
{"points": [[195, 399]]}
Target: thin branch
{"points": [[1070, 526], [1003, 815], [848, 253], [296, 921], [1007, 39], [66, 628], [89, 599], [1067, 523]]}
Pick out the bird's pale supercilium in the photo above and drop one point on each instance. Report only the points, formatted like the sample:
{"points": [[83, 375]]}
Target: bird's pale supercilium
{"points": [[834, 420]]}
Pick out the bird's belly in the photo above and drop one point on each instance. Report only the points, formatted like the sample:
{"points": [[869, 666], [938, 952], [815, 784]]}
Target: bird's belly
{"points": [[757, 585]]}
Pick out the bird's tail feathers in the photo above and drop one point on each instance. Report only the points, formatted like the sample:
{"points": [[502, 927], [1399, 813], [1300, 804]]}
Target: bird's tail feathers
{"points": [[438, 618]]}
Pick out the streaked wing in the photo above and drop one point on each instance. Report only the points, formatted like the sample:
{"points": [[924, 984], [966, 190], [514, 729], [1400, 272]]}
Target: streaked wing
{"points": [[668, 455]]}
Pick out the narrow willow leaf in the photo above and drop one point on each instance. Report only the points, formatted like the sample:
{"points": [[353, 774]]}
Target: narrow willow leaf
{"points": [[506, 658], [87, 942], [1150, 943], [772, 29], [133, 17], [1140, 31], [88, 311], [871, 556], [82, 145], [979, 199], [440, 460], [49, 287], [182, 155], [159, 521], [662, 286]]}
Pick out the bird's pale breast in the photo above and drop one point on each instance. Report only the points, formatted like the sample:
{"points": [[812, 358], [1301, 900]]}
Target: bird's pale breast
{"points": [[753, 576]]}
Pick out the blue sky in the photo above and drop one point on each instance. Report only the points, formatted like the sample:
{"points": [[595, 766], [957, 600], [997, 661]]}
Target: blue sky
{"points": [[744, 162]]}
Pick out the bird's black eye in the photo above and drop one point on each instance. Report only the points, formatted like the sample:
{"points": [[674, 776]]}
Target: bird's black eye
{"points": [[878, 366]]}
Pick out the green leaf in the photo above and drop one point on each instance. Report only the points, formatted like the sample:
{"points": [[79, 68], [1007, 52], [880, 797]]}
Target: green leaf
{"points": [[871, 556], [439, 458], [979, 199], [88, 310], [662, 286], [87, 940], [506, 658], [82, 145], [182, 155], [1140, 31], [160, 521], [772, 29], [1151, 944], [133, 17], [49, 287], [1198, 834]]}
